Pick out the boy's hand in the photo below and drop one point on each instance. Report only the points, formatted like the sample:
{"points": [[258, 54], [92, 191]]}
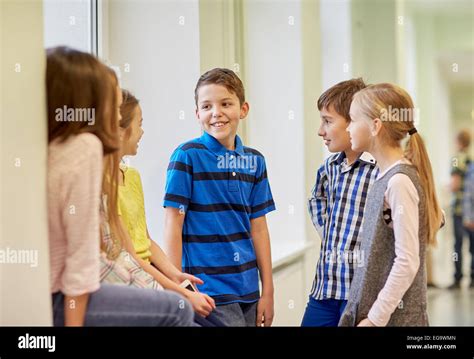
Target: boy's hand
{"points": [[173, 238], [265, 311]]}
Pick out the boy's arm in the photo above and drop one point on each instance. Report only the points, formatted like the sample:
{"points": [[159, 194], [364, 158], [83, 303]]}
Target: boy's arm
{"points": [[317, 204], [174, 220], [178, 194], [261, 240], [161, 261]]}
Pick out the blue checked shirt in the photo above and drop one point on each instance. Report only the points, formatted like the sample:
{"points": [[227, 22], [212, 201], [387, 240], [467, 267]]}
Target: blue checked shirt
{"points": [[336, 207]]}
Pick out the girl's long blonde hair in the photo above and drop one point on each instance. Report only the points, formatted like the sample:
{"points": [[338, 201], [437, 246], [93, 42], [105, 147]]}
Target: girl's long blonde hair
{"points": [[395, 108], [114, 245]]}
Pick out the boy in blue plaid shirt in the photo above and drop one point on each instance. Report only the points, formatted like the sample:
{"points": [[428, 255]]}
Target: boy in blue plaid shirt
{"points": [[337, 206]]}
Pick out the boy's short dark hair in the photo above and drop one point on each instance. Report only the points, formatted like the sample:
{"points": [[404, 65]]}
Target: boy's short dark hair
{"points": [[340, 96], [224, 77], [464, 138]]}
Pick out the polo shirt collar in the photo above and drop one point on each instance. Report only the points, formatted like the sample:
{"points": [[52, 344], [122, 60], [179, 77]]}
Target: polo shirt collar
{"points": [[216, 147]]}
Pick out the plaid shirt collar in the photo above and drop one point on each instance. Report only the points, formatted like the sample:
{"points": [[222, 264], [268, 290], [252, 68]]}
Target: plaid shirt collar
{"points": [[364, 157]]}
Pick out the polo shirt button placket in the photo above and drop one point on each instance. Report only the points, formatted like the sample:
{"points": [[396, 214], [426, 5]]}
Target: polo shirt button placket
{"points": [[233, 186]]}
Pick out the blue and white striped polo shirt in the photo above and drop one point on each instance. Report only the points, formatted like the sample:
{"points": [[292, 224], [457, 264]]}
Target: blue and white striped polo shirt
{"points": [[220, 191]]}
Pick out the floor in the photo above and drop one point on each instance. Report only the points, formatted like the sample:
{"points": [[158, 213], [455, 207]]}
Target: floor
{"points": [[451, 307]]}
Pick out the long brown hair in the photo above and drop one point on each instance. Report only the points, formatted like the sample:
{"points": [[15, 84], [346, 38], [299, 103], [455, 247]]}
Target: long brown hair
{"points": [[78, 80], [395, 108], [127, 109]]}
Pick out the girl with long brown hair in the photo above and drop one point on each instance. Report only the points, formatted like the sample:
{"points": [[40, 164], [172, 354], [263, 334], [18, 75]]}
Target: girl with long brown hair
{"points": [[83, 101]]}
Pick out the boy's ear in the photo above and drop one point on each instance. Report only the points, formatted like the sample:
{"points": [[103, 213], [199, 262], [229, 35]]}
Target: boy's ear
{"points": [[244, 110], [376, 126], [197, 113]]}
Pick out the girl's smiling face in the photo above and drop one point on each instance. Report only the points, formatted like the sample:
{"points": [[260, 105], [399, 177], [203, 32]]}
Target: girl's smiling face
{"points": [[131, 136]]}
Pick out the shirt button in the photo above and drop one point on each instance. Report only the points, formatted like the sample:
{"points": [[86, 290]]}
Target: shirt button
{"points": [[233, 174], [231, 156]]}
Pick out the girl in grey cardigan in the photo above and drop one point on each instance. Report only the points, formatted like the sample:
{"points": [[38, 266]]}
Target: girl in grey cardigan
{"points": [[401, 216]]}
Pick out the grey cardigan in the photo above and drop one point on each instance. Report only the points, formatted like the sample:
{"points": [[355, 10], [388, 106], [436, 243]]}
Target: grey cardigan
{"points": [[378, 249]]}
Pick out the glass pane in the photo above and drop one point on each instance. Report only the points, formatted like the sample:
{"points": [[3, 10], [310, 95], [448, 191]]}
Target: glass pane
{"points": [[68, 23]]}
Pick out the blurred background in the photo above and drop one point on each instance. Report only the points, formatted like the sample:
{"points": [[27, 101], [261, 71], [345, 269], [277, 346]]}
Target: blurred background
{"points": [[287, 53]]}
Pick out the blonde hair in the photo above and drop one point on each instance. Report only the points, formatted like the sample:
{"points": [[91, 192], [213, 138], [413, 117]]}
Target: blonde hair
{"points": [[110, 175], [394, 107], [113, 245]]}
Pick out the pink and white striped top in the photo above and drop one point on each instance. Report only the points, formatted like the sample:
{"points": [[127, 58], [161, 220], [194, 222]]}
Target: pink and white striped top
{"points": [[74, 188]]}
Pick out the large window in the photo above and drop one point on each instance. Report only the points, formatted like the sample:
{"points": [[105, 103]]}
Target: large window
{"points": [[72, 23]]}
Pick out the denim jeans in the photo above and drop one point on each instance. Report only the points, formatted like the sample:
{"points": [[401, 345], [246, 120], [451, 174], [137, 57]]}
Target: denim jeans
{"points": [[459, 232], [120, 305], [323, 313], [210, 321]]}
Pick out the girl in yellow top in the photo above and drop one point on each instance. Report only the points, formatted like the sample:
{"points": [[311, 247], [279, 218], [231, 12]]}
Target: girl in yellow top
{"points": [[132, 213]]}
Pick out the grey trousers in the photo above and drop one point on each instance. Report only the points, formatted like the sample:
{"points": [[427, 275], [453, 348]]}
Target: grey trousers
{"points": [[237, 314]]}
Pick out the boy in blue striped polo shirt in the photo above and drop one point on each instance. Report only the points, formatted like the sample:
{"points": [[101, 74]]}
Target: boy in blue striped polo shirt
{"points": [[216, 198], [337, 207]]}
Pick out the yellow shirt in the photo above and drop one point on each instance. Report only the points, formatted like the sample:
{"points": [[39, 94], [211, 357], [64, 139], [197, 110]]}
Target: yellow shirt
{"points": [[132, 211]]}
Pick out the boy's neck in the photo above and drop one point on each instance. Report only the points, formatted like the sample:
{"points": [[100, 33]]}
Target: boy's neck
{"points": [[228, 143], [229, 146], [351, 156]]}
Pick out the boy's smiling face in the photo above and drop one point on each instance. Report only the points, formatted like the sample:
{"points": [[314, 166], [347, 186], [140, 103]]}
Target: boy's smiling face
{"points": [[333, 130], [219, 112]]}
